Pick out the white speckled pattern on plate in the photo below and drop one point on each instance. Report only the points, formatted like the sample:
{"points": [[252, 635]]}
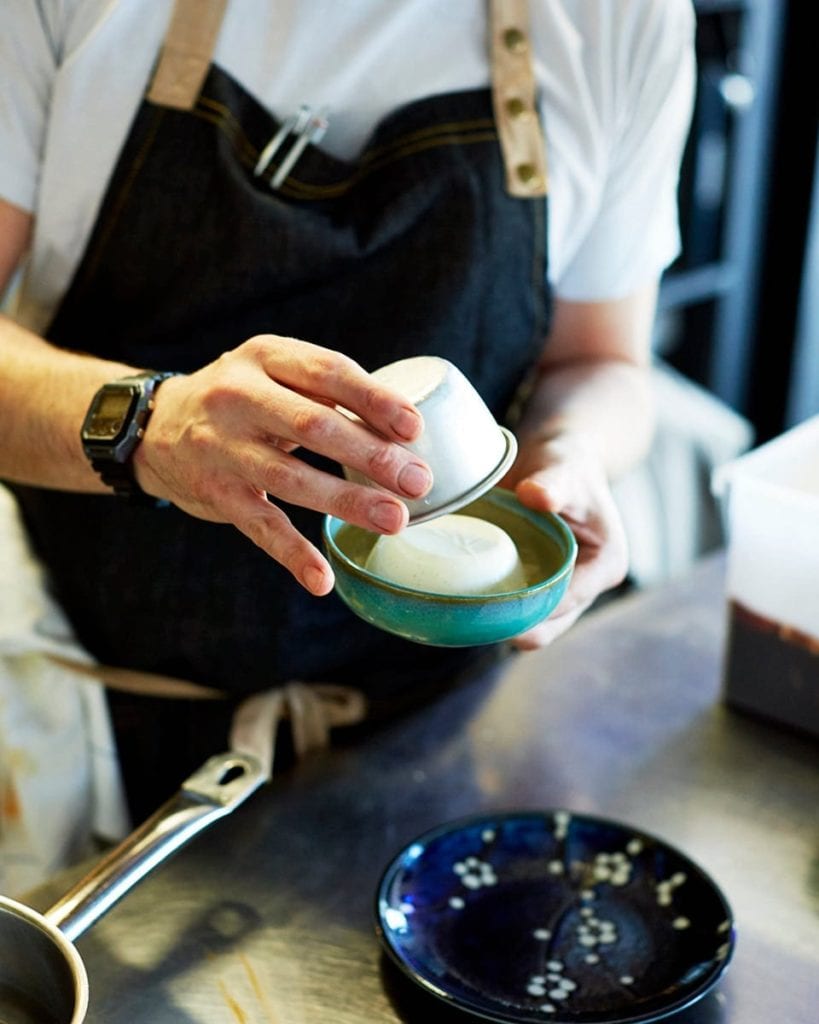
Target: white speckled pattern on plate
{"points": [[533, 916]]}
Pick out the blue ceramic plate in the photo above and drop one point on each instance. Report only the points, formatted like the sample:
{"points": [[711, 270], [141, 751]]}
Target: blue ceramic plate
{"points": [[552, 916]]}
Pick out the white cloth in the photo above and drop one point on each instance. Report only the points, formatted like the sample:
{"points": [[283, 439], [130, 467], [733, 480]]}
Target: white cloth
{"points": [[60, 783], [60, 786], [670, 515], [615, 76]]}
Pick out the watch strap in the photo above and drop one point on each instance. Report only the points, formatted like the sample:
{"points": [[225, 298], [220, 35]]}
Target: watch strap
{"points": [[119, 476], [115, 468]]}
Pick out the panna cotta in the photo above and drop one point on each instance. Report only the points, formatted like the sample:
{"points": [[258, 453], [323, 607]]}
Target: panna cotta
{"points": [[453, 554]]}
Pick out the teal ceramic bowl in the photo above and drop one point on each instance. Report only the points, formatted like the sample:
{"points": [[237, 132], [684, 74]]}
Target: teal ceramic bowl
{"points": [[547, 549]]}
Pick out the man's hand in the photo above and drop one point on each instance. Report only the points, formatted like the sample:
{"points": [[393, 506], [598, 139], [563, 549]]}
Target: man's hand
{"points": [[560, 476], [588, 420], [220, 445]]}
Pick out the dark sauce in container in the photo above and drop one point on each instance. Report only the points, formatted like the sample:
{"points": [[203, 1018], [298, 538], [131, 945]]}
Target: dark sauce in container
{"points": [[771, 669]]}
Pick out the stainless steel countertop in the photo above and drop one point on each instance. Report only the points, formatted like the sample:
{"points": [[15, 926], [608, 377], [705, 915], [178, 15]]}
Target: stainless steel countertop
{"points": [[268, 916]]}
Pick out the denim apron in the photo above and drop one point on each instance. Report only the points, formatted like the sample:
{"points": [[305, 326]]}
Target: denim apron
{"points": [[416, 246]]}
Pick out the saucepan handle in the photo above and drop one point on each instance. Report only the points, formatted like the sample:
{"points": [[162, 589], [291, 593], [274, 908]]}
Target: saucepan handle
{"points": [[216, 789]]}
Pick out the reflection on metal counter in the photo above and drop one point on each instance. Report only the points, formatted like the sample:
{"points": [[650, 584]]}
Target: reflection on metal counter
{"points": [[272, 918]]}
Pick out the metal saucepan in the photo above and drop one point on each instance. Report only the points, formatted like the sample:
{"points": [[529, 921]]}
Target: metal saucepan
{"points": [[42, 977]]}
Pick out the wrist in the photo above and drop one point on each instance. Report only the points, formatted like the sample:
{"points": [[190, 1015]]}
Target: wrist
{"points": [[113, 429]]}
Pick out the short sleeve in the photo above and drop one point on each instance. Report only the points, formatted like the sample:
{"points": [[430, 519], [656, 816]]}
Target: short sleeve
{"points": [[27, 68], [634, 234]]}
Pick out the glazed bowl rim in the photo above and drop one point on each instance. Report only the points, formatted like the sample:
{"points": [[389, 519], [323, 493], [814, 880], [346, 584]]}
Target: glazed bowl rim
{"points": [[397, 589]]}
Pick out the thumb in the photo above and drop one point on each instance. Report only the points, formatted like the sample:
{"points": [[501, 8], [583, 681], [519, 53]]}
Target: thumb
{"points": [[547, 490]]}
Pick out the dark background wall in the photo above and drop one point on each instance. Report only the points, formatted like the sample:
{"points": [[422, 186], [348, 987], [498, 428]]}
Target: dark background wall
{"points": [[787, 276], [736, 308]]}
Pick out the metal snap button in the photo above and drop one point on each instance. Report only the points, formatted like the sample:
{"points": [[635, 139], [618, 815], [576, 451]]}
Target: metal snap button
{"points": [[527, 175], [515, 107], [514, 40]]}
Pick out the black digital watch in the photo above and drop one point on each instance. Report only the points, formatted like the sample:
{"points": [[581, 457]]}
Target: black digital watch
{"points": [[113, 427]]}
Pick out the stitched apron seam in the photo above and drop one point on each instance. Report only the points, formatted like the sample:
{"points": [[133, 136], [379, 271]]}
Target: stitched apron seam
{"points": [[303, 190], [247, 154], [227, 123], [448, 127]]}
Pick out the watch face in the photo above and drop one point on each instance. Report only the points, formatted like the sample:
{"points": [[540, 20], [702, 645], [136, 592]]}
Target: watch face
{"points": [[109, 414]]}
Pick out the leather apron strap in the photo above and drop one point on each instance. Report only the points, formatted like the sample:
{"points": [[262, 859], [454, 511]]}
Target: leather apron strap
{"points": [[194, 28], [186, 53], [312, 709], [515, 101]]}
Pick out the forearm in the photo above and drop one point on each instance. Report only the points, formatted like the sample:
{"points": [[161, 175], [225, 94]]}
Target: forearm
{"points": [[604, 405], [589, 419], [594, 386], [44, 393]]}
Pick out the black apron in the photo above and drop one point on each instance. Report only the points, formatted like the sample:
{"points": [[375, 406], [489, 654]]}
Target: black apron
{"points": [[414, 247]]}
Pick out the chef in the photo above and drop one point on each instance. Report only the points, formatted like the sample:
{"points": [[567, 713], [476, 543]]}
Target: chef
{"points": [[224, 215]]}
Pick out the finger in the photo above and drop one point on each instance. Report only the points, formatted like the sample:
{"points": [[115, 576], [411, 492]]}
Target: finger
{"points": [[312, 425], [594, 573], [269, 528], [290, 479], [602, 560], [591, 578], [321, 372], [548, 490]]}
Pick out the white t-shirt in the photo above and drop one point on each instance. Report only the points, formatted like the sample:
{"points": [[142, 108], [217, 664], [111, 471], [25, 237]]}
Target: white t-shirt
{"points": [[615, 77]]}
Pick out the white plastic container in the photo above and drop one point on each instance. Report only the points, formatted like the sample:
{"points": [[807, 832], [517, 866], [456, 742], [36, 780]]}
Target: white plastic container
{"points": [[770, 499]]}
